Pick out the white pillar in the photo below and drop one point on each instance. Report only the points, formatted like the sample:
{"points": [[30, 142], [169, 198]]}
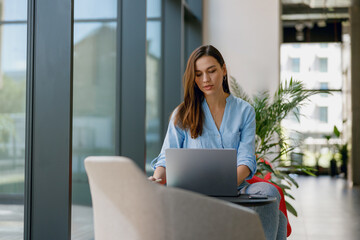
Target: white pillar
{"points": [[354, 173], [248, 34]]}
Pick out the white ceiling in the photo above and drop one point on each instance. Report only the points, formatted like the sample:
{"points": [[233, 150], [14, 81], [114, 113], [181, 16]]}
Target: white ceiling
{"points": [[299, 10], [320, 3]]}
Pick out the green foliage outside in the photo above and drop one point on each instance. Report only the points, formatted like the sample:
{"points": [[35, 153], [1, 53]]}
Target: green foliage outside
{"points": [[12, 104], [12, 96], [12, 100], [271, 144], [338, 152]]}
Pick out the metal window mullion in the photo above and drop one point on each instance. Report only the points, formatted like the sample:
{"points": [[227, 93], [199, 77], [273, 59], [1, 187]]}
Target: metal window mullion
{"points": [[162, 79], [94, 20], [49, 120], [173, 57], [154, 18], [28, 116], [13, 22], [133, 81], [118, 80]]}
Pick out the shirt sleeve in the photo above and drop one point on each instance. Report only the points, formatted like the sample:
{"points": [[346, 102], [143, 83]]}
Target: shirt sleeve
{"points": [[246, 149], [174, 138]]}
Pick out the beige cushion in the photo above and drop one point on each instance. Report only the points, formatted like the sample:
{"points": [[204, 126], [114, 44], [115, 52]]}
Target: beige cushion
{"points": [[128, 206]]}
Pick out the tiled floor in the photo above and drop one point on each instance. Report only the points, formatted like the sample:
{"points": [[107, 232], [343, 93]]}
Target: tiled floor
{"points": [[11, 222], [327, 209]]}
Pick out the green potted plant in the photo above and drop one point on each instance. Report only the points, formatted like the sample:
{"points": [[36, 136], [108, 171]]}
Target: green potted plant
{"points": [[271, 143], [342, 150], [333, 165]]}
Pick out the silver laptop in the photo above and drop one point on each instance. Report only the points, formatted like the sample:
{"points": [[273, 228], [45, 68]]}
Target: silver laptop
{"points": [[208, 171]]}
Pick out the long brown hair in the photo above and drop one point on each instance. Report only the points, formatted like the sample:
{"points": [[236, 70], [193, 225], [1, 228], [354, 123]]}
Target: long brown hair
{"points": [[189, 113]]}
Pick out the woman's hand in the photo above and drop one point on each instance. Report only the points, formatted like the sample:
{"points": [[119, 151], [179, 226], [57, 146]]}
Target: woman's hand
{"points": [[153, 179], [242, 173], [159, 175]]}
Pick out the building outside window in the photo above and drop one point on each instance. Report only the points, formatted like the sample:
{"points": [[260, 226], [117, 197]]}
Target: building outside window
{"points": [[94, 100], [323, 114], [323, 45], [295, 65], [321, 70], [13, 53], [153, 80], [324, 86], [100, 87], [323, 64]]}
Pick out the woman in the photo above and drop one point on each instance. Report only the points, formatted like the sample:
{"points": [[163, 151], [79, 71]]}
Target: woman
{"points": [[210, 117]]}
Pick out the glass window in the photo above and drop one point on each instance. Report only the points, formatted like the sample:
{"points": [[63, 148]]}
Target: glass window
{"points": [[323, 45], [322, 111], [153, 8], [323, 64], [13, 10], [323, 114], [94, 101], [91, 9], [13, 44], [153, 39], [153, 83], [324, 86], [295, 64]]}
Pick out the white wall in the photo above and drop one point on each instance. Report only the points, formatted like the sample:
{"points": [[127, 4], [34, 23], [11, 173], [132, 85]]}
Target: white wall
{"points": [[247, 33]]}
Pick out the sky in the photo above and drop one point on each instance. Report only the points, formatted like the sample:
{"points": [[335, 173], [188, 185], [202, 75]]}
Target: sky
{"points": [[14, 36]]}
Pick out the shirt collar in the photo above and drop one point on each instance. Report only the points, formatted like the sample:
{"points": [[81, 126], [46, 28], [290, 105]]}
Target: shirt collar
{"points": [[228, 99]]}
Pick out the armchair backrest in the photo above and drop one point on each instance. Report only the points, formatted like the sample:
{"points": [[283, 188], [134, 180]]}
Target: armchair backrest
{"points": [[128, 206]]}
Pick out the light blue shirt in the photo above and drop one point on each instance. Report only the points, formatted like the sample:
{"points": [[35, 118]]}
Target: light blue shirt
{"points": [[237, 131]]}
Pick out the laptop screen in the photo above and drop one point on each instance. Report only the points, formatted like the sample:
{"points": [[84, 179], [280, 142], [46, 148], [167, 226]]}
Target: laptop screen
{"points": [[208, 171]]}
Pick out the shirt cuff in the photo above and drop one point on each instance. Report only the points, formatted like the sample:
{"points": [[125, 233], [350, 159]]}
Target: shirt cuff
{"points": [[158, 162], [250, 165]]}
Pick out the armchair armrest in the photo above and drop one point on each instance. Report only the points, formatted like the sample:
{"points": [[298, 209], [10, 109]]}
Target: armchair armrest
{"points": [[195, 216]]}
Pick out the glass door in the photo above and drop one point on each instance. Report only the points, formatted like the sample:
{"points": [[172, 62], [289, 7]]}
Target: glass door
{"points": [[94, 100], [13, 42]]}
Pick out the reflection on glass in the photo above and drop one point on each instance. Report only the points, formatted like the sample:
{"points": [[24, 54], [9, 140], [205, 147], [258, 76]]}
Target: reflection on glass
{"points": [[93, 9], [94, 92], [153, 38], [153, 91], [12, 120], [153, 8], [13, 10]]}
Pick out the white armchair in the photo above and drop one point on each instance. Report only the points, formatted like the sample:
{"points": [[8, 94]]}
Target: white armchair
{"points": [[128, 206]]}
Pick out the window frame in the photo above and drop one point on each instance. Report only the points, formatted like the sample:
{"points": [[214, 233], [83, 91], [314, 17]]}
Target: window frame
{"points": [[48, 157]]}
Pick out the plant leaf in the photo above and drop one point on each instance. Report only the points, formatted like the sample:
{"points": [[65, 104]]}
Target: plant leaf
{"points": [[272, 141], [289, 195], [291, 209], [336, 131], [292, 180]]}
